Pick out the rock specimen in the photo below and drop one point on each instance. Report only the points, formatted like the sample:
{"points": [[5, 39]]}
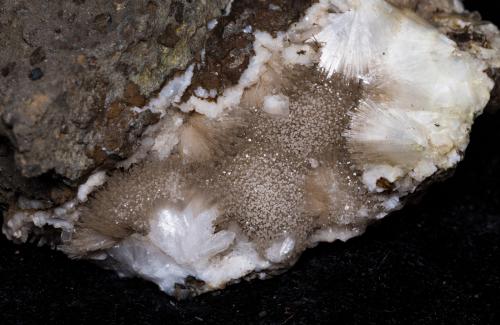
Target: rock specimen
{"points": [[329, 125]]}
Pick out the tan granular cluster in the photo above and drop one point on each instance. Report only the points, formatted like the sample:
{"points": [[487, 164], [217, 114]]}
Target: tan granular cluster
{"points": [[271, 186], [276, 176]]}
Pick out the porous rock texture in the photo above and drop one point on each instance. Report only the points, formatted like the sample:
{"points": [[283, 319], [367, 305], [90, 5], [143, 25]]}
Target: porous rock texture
{"points": [[70, 69]]}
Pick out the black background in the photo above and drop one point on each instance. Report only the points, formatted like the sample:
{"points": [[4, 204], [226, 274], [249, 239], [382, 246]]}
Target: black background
{"points": [[436, 262]]}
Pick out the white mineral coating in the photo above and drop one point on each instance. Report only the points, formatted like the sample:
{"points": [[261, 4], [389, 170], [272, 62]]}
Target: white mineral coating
{"points": [[170, 94], [95, 180], [276, 105], [332, 125]]}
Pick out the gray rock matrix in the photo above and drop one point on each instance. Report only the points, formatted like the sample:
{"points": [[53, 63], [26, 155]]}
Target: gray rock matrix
{"points": [[68, 72]]}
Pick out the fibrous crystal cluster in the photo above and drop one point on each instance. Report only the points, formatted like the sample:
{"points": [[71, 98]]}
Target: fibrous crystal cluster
{"points": [[333, 124]]}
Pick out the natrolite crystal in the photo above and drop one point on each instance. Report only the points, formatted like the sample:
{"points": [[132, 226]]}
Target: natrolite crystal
{"points": [[332, 125]]}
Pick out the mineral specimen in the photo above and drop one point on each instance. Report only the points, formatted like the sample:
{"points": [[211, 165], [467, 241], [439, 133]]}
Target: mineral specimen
{"points": [[333, 124]]}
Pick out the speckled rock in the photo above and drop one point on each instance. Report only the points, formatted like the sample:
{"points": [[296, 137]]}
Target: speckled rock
{"points": [[69, 70]]}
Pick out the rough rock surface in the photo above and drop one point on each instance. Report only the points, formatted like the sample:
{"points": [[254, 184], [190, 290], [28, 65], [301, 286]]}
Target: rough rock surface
{"points": [[69, 70]]}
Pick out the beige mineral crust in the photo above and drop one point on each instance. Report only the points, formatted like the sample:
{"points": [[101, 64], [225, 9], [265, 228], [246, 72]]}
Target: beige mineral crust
{"points": [[333, 124]]}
